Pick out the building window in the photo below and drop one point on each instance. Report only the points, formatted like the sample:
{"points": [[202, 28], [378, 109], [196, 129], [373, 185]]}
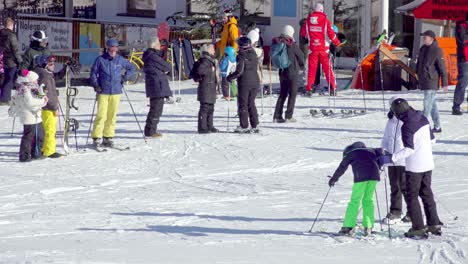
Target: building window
{"points": [[84, 9], [202, 7], [144, 8], [256, 11]]}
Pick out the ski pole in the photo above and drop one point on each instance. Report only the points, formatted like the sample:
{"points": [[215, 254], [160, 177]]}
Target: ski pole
{"points": [[386, 201], [271, 88], [382, 82], [378, 210], [134, 114], [229, 103], [455, 217], [91, 120], [180, 69], [13, 126], [172, 66], [362, 88], [320, 209]]}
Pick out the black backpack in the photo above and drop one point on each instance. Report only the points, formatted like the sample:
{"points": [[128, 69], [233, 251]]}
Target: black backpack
{"points": [[193, 73]]}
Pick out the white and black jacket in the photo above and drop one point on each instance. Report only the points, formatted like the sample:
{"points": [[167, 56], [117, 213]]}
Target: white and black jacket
{"points": [[417, 140], [392, 141]]}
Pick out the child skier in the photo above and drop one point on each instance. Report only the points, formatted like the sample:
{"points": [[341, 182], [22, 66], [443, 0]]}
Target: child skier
{"points": [[27, 105], [248, 83], [393, 143], [207, 83], [45, 66], [227, 66], [364, 162]]}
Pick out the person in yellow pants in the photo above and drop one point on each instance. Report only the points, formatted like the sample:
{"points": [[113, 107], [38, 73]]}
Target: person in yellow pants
{"points": [[366, 170], [106, 78], [45, 66]]}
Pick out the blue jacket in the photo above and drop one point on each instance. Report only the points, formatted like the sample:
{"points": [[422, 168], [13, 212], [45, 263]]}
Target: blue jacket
{"points": [[225, 64], [107, 73], [364, 164]]}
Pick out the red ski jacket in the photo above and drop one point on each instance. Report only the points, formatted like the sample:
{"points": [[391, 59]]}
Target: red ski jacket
{"points": [[316, 28]]}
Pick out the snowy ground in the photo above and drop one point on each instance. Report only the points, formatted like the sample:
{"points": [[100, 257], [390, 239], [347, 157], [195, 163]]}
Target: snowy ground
{"points": [[220, 198]]}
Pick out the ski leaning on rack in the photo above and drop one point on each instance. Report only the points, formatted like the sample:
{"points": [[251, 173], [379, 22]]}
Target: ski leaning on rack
{"points": [[71, 124], [347, 113]]}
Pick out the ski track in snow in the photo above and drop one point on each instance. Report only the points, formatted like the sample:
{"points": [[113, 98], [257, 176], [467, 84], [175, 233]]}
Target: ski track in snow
{"points": [[220, 198]]}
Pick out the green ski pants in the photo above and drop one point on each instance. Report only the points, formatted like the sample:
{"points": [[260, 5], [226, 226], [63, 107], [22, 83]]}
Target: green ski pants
{"points": [[362, 191]]}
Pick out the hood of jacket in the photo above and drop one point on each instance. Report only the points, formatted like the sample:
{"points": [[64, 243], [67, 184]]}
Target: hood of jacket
{"points": [[283, 39]]}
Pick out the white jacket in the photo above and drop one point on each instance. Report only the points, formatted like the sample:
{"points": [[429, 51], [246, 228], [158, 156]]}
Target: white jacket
{"points": [[26, 106], [417, 143], [260, 57], [391, 140]]}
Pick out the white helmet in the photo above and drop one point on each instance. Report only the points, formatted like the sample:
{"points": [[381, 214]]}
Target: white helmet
{"points": [[39, 35]]}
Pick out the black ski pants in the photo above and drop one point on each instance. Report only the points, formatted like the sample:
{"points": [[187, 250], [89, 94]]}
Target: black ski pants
{"points": [[155, 112]]}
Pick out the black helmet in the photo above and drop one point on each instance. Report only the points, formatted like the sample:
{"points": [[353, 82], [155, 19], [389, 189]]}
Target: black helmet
{"points": [[399, 107], [244, 42], [354, 146], [39, 36]]}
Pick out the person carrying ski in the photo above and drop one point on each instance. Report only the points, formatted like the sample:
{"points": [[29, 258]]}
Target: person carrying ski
{"points": [[39, 45], [417, 140], [206, 93], [316, 28], [27, 105], [461, 36], [248, 83], [229, 34], [227, 66], [106, 78], [392, 143], [156, 85], [288, 77], [366, 170], [430, 69], [45, 67], [11, 59]]}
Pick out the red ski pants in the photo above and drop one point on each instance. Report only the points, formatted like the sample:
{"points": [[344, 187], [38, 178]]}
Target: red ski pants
{"points": [[314, 58]]}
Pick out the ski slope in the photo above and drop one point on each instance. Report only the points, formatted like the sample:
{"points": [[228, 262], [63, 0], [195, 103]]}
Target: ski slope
{"points": [[219, 198]]}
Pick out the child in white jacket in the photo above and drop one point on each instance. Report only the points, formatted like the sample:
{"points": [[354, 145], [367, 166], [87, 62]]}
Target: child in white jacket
{"points": [[27, 106], [393, 143]]}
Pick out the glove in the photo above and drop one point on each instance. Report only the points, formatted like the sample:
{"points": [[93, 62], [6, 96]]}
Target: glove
{"points": [[382, 152], [97, 88], [385, 159], [390, 114], [332, 181]]}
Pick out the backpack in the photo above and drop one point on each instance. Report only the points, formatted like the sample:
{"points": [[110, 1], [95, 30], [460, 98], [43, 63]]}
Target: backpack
{"points": [[279, 56], [193, 73]]}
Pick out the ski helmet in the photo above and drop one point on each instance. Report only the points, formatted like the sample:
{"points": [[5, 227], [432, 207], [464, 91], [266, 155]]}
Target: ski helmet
{"points": [[352, 147], [39, 35], [399, 107], [244, 42], [230, 52], [43, 60]]}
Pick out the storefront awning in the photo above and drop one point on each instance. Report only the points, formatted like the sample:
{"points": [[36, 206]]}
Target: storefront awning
{"points": [[454, 10]]}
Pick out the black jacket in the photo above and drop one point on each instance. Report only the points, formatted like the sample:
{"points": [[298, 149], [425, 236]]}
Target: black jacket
{"points": [[35, 49], [48, 79], [246, 70], [364, 163], [431, 67], [461, 35], [295, 55], [9, 46], [156, 82], [207, 85]]}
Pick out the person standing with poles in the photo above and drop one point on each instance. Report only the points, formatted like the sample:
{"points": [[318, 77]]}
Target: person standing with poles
{"points": [[417, 140], [229, 34], [461, 35], [106, 78], [316, 28], [156, 85], [366, 170], [430, 69], [11, 59], [289, 76]]}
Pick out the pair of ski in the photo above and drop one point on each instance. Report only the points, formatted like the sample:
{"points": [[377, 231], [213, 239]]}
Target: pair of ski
{"points": [[102, 148], [328, 113]]}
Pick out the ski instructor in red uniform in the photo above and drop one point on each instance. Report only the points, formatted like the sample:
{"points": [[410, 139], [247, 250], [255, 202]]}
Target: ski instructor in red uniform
{"points": [[316, 28]]}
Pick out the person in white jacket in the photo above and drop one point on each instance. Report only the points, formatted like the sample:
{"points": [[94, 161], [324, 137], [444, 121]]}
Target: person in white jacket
{"points": [[417, 140], [27, 106], [393, 143]]}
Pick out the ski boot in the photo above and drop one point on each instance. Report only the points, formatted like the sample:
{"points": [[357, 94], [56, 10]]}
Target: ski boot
{"points": [[55, 155], [367, 231], [279, 120], [96, 142], [437, 130], [242, 130], [391, 218], [406, 219], [214, 130], [346, 231], [107, 142], [255, 130], [308, 94], [291, 120], [435, 230], [155, 135], [457, 112], [416, 233]]}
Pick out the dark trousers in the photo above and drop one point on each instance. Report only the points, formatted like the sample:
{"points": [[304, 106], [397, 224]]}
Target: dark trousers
{"points": [[288, 90], [419, 185], [205, 117], [459, 95], [31, 144], [246, 106], [397, 178], [155, 112], [8, 84], [225, 86]]}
